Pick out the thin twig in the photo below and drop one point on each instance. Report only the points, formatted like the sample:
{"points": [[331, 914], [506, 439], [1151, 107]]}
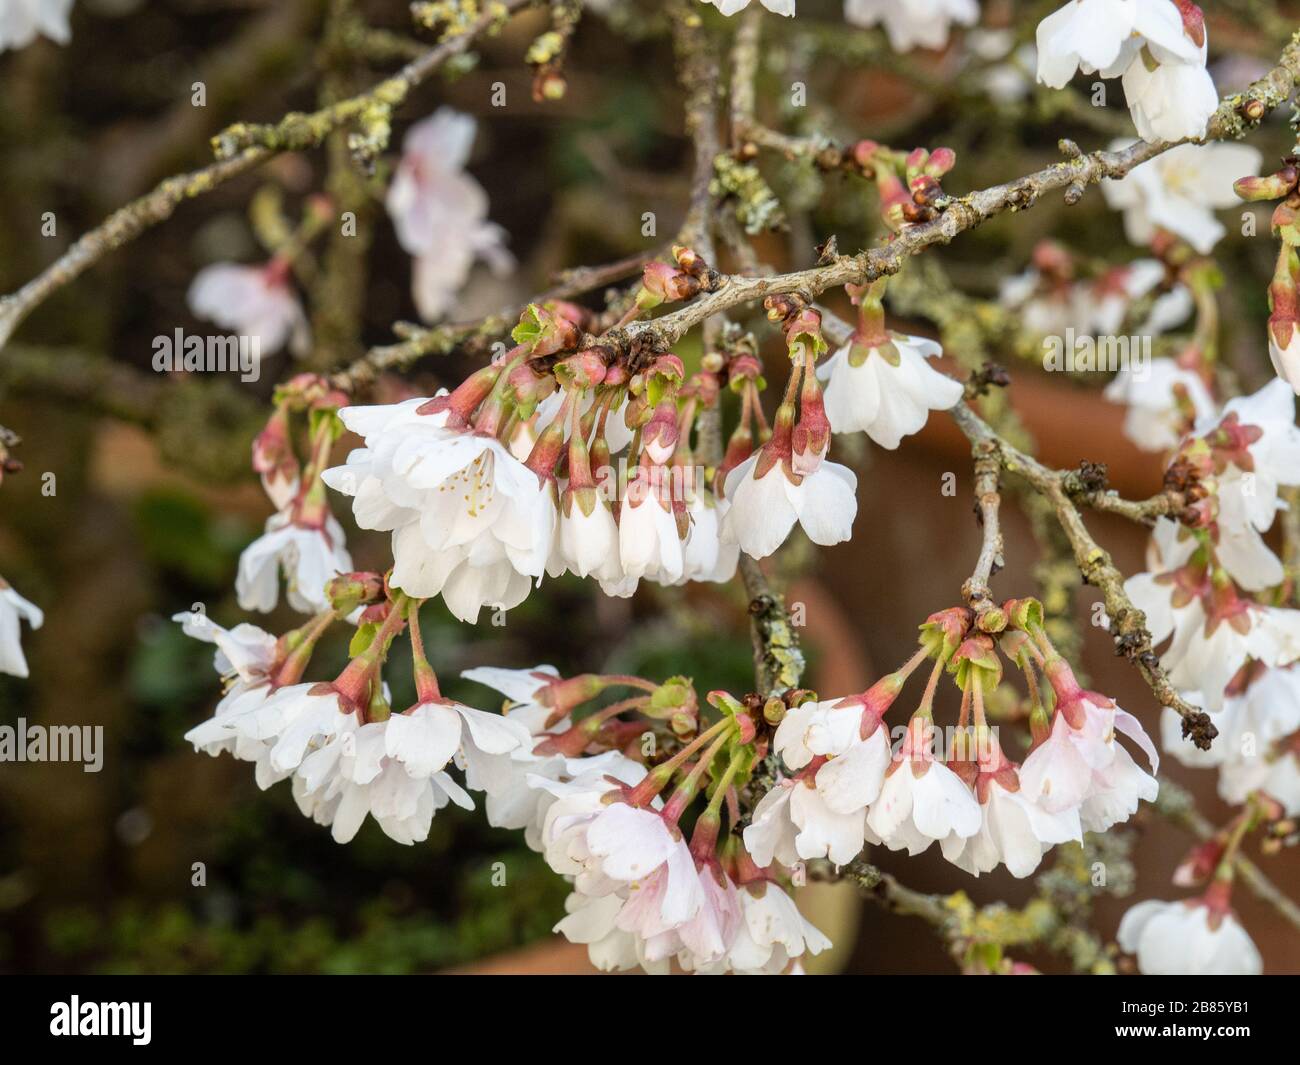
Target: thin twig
{"points": [[240, 148]]}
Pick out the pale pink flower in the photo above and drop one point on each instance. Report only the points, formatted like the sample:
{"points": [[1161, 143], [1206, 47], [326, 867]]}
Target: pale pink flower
{"points": [[913, 23], [309, 556], [766, 504], [254, 301], [13, 610], [886, 390], [1194, 937], [440, 211]]}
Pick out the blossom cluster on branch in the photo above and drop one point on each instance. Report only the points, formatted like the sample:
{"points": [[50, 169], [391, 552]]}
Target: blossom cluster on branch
{"points": [[596, 443]]}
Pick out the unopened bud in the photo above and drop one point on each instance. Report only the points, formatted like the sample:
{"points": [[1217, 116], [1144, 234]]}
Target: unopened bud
{"points": [[1272, 187], [582, 371], [663, 283], [350, 590], [783, 305], [940, 162], [689, 261], [1026, 614]]}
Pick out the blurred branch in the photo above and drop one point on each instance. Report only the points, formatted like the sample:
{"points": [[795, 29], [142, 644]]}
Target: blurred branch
{"points": [[239, 149], [1056, 917], [200, 426], [419, 341], [1177, 804]]}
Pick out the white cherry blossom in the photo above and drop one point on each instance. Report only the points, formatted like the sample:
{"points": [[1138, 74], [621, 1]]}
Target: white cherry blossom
{"points": [[1080, 766], [913, 23], [1171, 102], [440, 211], [342, 781], [1157, 47], [14, 609], [21, 21], [308, 556], [886, 391], [731, 7], [1188, 938], [244, 659], [1179, 191], [470, 522], [254, 301], [765, 504], [922, 800], [772, 932], [1164, 400]]}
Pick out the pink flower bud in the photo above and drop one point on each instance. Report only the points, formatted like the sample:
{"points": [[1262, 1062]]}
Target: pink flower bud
{"points": [[659, 438]]}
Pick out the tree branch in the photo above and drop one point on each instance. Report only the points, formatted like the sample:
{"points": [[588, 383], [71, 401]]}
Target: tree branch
{"points": [[239, 149]]}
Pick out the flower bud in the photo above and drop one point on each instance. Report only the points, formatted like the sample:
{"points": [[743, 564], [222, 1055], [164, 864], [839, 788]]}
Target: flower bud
{"points": [[943, 631], [1274, 186], [689, 261], [662, 283], [350, 590], [783, 305], [529, 387], [976, 662], [1193, 21], [864, 154], [940, 162], [1026, 614], [544, 331], [675, 696], [582, 371]]}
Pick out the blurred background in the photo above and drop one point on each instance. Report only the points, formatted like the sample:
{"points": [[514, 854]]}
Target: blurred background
{"points": [[153, 499]]}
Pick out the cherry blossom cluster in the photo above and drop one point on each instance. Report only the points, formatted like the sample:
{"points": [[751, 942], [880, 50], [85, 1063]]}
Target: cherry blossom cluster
{"points": [[348, 753], [913, 24], [512, 475], [850, 784], [644, 892], [1051, 297], [1209, 590], [560, 457], [1157, 48], [908, 24], [601, 796]]}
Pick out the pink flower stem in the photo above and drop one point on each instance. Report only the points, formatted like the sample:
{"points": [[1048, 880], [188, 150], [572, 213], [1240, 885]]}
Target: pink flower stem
{"points": [[576, 739], [661, 775], [426, 680], [299, 646], [355, 680], [685, 792]]}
